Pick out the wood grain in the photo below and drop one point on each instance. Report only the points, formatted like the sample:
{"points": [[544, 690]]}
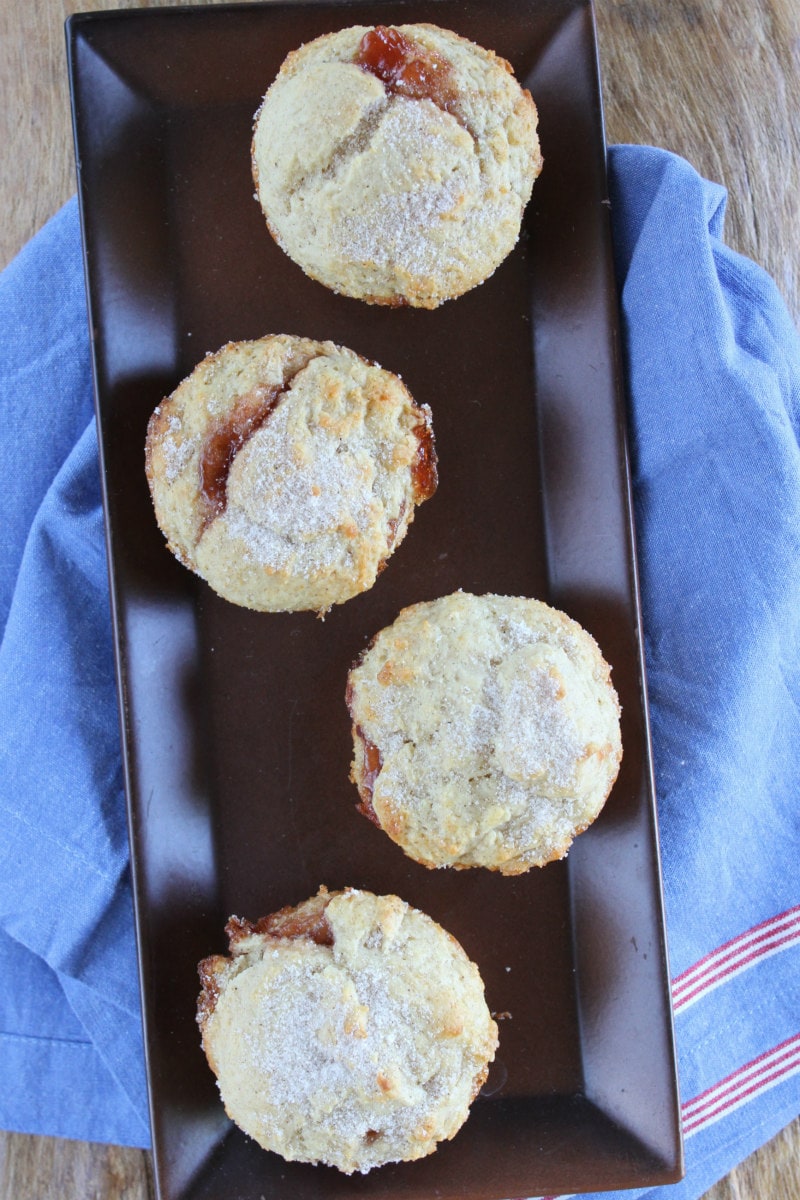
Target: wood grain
{"points": [[43, 1168], [717, 81]]}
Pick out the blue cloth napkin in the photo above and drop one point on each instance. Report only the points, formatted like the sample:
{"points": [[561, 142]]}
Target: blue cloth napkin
{"points": [[713, 365]]}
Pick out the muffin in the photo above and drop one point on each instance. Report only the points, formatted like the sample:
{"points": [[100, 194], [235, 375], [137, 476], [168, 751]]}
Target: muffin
{"points": [[393, 164], [286, 471], [486, 732], [350, 1030]]}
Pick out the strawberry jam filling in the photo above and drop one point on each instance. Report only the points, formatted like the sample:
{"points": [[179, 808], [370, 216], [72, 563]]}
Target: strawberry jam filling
{"points": [[405, 67], [370, 772], [226, 440]]}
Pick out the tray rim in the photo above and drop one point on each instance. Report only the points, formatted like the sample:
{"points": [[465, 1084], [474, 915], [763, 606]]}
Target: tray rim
{"points": [[74, 27]]}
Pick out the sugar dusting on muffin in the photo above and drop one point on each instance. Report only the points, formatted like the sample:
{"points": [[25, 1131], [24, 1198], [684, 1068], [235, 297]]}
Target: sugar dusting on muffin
{"points": [[285, 471], [486, 732], [394, 164], [350, 1030]]}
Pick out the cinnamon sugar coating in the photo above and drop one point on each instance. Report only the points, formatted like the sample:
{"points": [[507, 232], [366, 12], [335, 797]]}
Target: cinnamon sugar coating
{"points": [[286, 471], [396, 183], [350, 1030], [486, 732]]}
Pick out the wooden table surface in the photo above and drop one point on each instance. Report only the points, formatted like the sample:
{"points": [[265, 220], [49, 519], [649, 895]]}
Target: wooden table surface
{"points": [[717, 81]]}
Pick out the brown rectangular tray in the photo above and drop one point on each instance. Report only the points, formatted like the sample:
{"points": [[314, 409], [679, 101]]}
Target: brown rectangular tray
{"points": [[235, 732]]}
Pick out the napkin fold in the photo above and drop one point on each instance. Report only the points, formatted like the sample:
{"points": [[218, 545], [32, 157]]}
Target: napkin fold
{"points": [[713, 373], [70, 1025]]}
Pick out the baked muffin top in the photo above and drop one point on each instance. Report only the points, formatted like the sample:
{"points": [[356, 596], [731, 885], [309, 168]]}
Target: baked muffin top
{"points": [[285, 471], [394, 164], [350, 1030], [486, 732]]}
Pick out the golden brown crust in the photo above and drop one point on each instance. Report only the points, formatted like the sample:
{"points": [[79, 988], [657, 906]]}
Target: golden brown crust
{"points": [[305, 920], [485, 732], [350, 1029], [211, 971], [284, 471], [393, 197]]}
